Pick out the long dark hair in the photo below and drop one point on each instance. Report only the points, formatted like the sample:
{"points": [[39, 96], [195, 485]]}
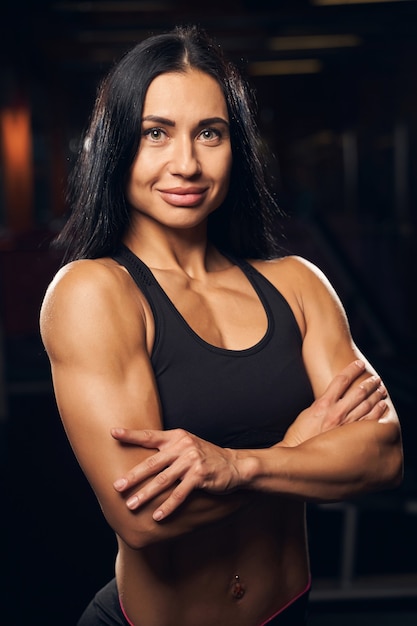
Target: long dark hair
{"points": [[245, 225]]}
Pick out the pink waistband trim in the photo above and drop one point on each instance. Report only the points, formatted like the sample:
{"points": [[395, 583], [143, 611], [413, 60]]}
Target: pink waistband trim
{"points": [[304, 591], [124, 612], [307, 588]]}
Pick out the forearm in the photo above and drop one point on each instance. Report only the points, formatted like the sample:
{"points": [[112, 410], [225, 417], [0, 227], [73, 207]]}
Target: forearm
{"points": [[138, 528], [342, 462], [137, 496], [339, 464]]}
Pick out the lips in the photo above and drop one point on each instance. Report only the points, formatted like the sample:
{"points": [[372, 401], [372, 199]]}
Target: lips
{"points": [[184, 196]]}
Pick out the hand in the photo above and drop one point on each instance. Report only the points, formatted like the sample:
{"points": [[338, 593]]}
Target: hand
{"points": [[343, 402], [183, 461]]}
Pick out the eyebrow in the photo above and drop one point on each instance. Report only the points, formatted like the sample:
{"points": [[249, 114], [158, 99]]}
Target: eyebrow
{"points": [[167, 122]]}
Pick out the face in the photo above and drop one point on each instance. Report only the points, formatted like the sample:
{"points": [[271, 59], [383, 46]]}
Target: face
{"points": [[181, 171]]}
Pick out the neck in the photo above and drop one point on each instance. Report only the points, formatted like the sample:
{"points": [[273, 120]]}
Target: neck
{"points": [[184, 250]]}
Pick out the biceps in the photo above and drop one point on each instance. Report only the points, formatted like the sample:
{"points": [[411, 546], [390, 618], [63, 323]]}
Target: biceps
{"points": [[328, 348], [90, 404]]}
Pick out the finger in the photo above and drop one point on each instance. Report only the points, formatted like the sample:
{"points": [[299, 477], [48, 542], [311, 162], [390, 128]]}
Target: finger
{"points": [[372, 406], [144, 438], [162, 481], [167, 472], [341, 383], [377, 412], [146, 469], [177, 497], [360, 399], [353, 405]]}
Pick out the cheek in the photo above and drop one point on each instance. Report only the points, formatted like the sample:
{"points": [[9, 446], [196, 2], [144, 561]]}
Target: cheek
{"points": [[133, 183], [137, 173], [225, 167], [130, 184]]}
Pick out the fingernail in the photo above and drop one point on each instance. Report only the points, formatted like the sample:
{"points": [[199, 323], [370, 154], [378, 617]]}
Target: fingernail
{"points": [[360, 363], [132, 502], [158, 515], [120, 483], [381, 389]]}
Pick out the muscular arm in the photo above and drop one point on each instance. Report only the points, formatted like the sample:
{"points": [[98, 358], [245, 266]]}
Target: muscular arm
{"points": [[330, 452], [93, 325], [335, 460]]}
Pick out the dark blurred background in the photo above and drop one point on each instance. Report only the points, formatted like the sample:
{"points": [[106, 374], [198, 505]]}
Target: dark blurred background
{"points": [[336, 87]]}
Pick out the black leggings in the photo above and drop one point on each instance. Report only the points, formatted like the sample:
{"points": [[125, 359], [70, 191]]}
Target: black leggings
{"points": [[105, 610]]}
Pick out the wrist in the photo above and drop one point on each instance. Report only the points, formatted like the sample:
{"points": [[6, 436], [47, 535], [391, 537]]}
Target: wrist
{"points": [[248, 467]]}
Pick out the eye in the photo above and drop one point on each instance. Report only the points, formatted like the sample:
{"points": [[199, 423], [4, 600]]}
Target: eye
{"points": [[154, 134], [212, 135]]}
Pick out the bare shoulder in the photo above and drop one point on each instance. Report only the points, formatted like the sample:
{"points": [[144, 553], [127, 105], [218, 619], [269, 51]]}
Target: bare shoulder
{"points": [[286, 269], [97, 276], [82, 284], [299, 280], [86, 301], [303, 285]]}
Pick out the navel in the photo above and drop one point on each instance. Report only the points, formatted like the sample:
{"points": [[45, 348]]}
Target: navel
{"points": [[237, 588]]}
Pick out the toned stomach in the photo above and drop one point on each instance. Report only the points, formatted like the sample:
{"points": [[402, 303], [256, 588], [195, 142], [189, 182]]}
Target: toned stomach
{"points": [[237, 572]]}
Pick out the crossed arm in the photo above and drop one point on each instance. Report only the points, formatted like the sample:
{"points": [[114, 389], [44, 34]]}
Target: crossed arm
{"points": [[94, 326], [346, 443], [330, 465]]}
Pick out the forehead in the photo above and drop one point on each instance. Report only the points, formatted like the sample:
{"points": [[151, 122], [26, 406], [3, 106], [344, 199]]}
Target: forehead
{"points": [[175, 93]]}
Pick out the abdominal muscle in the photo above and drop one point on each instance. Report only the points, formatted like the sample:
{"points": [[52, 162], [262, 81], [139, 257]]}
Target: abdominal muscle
{"points": [[238, 572]]}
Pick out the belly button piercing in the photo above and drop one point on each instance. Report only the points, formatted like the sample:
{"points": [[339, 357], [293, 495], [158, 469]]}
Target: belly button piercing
{"points": [[238, 590]]}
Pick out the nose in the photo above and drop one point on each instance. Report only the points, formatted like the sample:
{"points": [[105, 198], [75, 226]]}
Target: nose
{"points": [[184, 159]]}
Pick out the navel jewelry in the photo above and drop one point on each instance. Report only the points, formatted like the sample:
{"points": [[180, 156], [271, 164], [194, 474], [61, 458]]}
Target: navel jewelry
{"points": [[238, 590]]}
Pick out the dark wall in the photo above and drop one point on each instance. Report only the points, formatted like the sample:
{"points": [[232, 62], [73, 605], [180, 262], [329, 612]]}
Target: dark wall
{"points": [[345, 174]]}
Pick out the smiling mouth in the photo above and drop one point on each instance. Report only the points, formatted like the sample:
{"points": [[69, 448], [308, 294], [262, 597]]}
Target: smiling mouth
{"points": [[183, 197]]}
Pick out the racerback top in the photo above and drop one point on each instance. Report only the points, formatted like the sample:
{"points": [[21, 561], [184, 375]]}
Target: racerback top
{"points": [[233, 398]]}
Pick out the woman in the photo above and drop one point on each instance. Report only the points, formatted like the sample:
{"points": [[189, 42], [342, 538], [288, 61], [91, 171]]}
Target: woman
{"points": [[206, 397]]}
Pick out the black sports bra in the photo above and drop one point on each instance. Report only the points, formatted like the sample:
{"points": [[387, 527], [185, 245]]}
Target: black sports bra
{"points": [[233, 398]]}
